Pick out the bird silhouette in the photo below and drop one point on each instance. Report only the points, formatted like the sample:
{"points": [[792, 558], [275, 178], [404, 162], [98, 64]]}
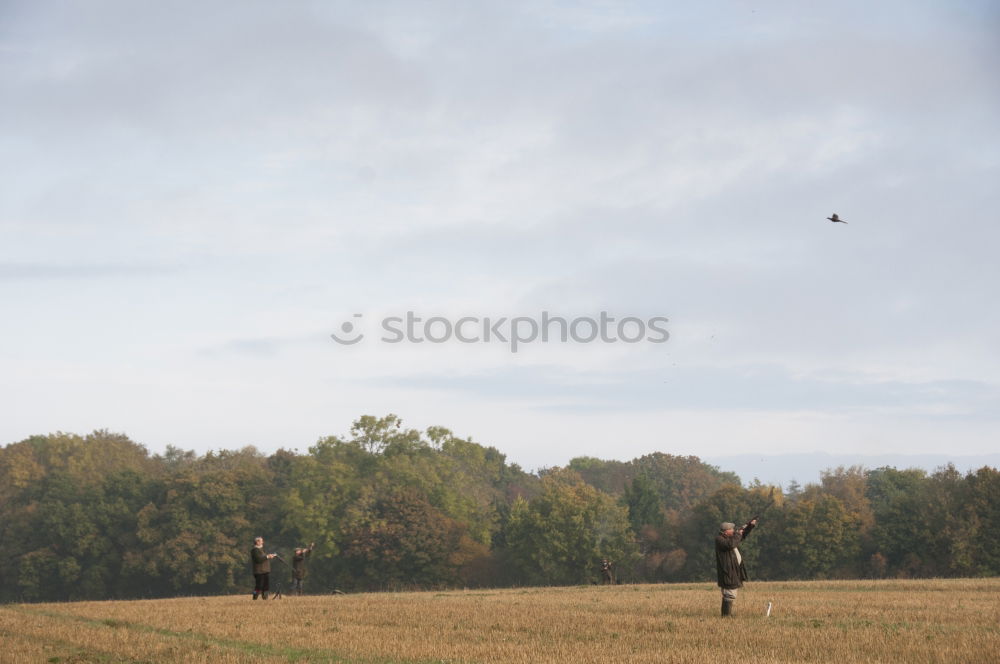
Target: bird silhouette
{"points": [[835, 219]]}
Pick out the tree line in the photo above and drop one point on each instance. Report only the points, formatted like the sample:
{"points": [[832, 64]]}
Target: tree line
{"points": [[98, 516]]}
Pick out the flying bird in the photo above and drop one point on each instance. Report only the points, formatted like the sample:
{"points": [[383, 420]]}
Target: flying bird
{"points": [[835, 219]]}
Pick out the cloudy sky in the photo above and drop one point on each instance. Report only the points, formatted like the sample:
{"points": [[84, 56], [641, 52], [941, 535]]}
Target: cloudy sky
{"points": [[197, 195]]}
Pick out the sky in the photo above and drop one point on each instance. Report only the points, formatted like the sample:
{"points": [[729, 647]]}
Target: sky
{"points": [[198, 195]]}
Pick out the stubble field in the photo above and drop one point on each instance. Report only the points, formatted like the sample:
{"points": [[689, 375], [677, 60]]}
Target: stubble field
{"points": [[843, 621]]}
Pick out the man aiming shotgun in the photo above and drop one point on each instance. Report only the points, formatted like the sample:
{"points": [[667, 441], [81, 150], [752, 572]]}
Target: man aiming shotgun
{"points": [[729, 563], [728, 560], [299, 567]]}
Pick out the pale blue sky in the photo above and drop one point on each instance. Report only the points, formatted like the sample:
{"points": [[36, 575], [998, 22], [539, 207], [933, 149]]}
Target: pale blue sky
{"points": [[195, 197]]}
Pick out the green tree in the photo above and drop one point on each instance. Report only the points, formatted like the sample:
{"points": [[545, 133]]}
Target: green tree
{"points": [[896, 501], [814, 538], [401, 541], [982, 508], [611, 477], [559, 537], [198, 530], [61, 523]]}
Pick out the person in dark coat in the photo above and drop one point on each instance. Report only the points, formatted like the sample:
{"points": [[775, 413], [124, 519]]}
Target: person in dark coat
{"points": [[261, 568], [607, 572], [729, 563], [299, 567]]}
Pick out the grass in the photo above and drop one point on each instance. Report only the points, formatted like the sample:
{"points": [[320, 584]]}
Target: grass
{"points": [[954, 620]]}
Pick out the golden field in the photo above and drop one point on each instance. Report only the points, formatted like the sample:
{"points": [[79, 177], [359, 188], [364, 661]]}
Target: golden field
{"points": [[837, 621]]}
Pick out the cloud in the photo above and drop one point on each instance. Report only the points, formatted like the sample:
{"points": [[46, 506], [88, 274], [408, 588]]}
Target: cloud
{"points": [[307, 162], [39, 271], [754, 388]]}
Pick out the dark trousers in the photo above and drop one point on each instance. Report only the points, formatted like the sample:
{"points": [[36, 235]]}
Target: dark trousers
{"points": [[261, 583]]}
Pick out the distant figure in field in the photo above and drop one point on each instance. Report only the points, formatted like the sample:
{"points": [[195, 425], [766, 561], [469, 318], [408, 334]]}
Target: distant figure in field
{"points": [[299, 567], [261, 568], [607, 574], [729, 563]]}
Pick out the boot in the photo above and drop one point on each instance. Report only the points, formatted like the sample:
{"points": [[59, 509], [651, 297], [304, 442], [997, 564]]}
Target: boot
{"points": [[255, 593], [265, 595], [727, 608]]}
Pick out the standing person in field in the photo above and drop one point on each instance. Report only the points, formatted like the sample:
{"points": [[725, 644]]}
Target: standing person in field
{"points": [[261, 568], [607, 574], [729, 563], [299, 567]]}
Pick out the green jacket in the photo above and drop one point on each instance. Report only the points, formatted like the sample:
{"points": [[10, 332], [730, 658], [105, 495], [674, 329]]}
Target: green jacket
{"points": [[731, 571], [261, 564], [299, 565]]}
